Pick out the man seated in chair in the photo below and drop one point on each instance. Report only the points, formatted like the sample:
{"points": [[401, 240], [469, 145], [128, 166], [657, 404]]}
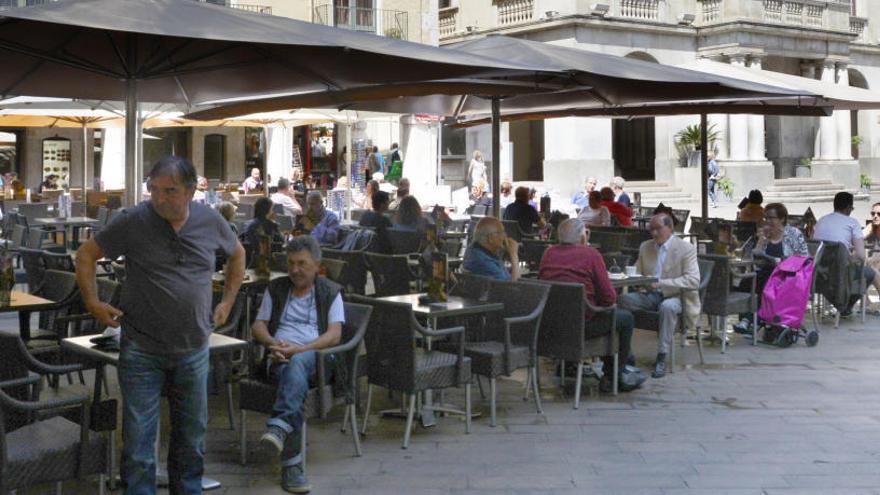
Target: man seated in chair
{"points": [[673, 262], [300, 314], [572, 260], [485, 255]]}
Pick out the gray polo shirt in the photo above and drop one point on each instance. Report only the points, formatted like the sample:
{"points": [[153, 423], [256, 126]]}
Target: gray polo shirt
{"points": [[166, 297]]}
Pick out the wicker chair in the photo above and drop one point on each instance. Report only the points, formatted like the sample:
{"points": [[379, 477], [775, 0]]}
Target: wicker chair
{"points": [[391, 273], [650, 320], [335, 269], [60, 287], [566, 335], [512, 338], [257, 394], [405, 241], [840, 278], [533, 251], [394, 363], [722, 300]]}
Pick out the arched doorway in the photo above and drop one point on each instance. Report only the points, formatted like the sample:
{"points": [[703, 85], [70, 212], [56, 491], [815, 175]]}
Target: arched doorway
{"points": [[856, 79], [633, 141]]}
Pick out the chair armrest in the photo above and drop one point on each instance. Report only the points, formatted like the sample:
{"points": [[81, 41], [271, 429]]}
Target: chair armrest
{"points": [[600, 309], [42, 368], [42, 405], [351, 344], [31, 379], [443, 332], [64, 320]]}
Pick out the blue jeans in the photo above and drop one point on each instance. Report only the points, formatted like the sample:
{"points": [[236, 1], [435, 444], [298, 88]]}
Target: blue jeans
{"points": [[711, 189], [143, 377], [293, 387]]}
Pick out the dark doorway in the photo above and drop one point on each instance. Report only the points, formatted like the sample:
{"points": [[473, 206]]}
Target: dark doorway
{"points": [[633, 148], [215, 156], [527, 138]]}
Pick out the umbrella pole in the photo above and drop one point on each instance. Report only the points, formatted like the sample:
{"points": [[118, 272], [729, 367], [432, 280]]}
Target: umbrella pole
{"points": [[348, 159], [496, 156], [704, 165], [266, 163], [85, 164], [132, 174]]}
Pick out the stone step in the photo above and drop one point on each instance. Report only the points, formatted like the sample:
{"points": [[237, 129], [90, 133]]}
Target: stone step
{"points": [[806, 187], [638, 184], [645, 190], [805, 181], [808, 197]]}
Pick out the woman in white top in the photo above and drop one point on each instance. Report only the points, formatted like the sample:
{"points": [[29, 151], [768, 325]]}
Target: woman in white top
{"points": [[594, 214], [477, 169]]}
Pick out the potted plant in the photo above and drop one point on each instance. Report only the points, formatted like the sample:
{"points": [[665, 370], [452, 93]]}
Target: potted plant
{"points": [[725, 186], [688, 140], [804, 168], [865, 182], [856, 141]]}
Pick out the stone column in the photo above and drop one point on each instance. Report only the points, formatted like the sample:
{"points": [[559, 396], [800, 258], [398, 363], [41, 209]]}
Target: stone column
{"points": [[757, 150], [720, 123], [828, 125], [739, 129], [842, 117]]}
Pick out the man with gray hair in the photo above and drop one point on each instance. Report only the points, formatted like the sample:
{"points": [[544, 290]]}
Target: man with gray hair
{"points": [[572, 260], [484, 255], [300, 314], [673, 262], [286, 198], [164, 313], [319, 222], [620, 195]]}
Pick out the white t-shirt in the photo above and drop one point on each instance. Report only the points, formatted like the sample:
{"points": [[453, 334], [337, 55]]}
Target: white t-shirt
{"points": [[838, 227], [299, 320], [599, 217], [291, 206]]}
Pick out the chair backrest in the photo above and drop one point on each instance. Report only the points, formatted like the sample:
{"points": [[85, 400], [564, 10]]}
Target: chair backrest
{"points": [[533, 251], [471, 286], [245, 210], [743, 230], [707, 268], [562, 327], [835, 278], [58, 261], [103, 215], [357, 319], [354, 278], [480, 210], [35, 237], [521, 299], [58, 287], [34, 210], [681, 218], [389, 344], [511, 228], [109, 292], [357, 213], [391, 273], [405, 241], [333, 269], [278, 208], [719, 285], [817, 251], [619, 260], [118, 271], [19, 233], [285, 222], [34, 269], [610, 242], [452, 247]]}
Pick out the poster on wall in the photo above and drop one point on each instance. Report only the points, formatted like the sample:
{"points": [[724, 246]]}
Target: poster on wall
{"points": [[254, 150], [56, 161]]}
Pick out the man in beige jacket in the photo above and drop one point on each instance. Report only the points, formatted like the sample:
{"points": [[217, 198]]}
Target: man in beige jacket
{"points": [[674, 263]]}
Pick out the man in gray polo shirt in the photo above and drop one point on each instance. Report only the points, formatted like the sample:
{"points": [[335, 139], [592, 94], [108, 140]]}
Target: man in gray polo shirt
{"points": [[170, 245]]}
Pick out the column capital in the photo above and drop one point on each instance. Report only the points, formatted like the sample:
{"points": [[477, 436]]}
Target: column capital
{"points": [[756, 60], [738, 59], [827, 63], [844, 65]]}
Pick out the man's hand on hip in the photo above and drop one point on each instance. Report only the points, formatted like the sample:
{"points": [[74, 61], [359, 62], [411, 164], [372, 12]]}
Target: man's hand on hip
{"points": [[105, 314]]}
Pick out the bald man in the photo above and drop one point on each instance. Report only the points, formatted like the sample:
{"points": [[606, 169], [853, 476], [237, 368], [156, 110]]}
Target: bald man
{"points": [[484, 256]]}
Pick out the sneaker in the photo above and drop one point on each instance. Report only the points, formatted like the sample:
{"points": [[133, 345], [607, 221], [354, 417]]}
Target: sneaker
{"points": [[743, 327], [630, 379], [274, 438], [293, 479]]}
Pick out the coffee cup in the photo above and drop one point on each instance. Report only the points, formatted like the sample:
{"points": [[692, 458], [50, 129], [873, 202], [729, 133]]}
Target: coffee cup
{"points": [[631, 271]]}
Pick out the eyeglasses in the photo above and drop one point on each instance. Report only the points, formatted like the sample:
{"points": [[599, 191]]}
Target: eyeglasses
{"points": [[875, 213], [768, 217]]}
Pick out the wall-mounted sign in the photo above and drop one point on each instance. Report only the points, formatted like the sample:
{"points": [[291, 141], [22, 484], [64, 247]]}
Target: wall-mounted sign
{"points": [[56, 160]]}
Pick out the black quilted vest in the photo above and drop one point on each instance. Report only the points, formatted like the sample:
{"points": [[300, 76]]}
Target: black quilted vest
{"points": [[325, 292]]}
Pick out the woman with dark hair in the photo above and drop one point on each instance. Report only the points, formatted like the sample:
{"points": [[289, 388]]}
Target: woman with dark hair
{"points": [[752, 211], [409, 215], [367, 201], [776, 241], [263, 223], [872, 237]]}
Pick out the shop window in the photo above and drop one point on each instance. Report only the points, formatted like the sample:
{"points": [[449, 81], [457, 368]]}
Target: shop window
{"points": [[453, 142]]}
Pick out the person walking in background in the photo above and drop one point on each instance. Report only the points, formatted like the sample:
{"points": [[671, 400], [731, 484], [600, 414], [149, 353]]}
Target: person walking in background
{"points": [[395, 153], [477, 170], [713, 172]]}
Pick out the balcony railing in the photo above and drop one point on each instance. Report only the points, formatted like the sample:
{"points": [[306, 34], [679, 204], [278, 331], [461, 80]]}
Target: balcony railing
{"points": [[515, 11], [794, 13], [643, 10], [857, 26], [448, 22], [259, 9], [390, 23], [711, 11]]}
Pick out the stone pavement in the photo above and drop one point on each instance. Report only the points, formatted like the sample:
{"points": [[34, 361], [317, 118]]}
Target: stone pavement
{"points": [[757, 420]]}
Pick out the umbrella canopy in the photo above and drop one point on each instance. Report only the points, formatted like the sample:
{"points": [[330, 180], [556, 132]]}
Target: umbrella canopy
{"points": [[193, 52]]}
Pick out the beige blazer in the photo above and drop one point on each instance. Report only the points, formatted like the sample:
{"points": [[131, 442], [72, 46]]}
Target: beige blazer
{"points": [[680, 277]]}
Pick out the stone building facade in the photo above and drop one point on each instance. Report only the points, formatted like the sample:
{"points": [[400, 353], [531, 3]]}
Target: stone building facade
{"points": [[836, 41]]}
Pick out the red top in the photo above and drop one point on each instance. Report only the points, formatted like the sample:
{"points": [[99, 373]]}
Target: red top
{"points": [[579, 264], [621, 212]]}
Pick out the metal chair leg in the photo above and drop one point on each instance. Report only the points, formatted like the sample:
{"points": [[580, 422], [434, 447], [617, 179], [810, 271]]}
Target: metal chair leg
{"points": [[367, 409], [344, 427], [614, 379], [101, 484], [480, 384], [755, 328], [722, 325], [492, 383], [242, 442], [534, 371], [229, 406], [59, 487], [527, 386], [467, 408], [577, 384], [409, 420], [352, 415], [700, 345], [304, 444]]}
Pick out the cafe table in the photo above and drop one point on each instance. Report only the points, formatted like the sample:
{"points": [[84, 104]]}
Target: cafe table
{"points": [[25, 304], [431, 312], [82, 347], [624, 281], [65, 223]]}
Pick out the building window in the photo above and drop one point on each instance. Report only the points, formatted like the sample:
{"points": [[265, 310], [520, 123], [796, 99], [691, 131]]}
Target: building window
{"points": [[453, 142], [215, 156], [445, 4], [11, 146]]}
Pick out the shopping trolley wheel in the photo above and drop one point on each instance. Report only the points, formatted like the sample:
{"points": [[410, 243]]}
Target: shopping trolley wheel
{"points": [[812, 338], [784, 338]]}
